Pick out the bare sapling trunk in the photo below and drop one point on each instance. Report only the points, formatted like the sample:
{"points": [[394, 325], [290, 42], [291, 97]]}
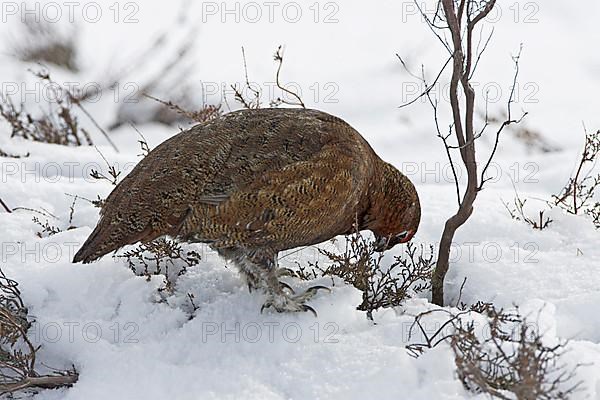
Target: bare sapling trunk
{"points": [[459, 18]]}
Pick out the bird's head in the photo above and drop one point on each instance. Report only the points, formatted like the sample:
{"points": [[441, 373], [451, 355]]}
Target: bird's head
{"points": [[395, 209]]}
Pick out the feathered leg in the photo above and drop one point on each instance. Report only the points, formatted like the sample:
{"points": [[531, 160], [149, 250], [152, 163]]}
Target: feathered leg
{"points": [[261, 272]]}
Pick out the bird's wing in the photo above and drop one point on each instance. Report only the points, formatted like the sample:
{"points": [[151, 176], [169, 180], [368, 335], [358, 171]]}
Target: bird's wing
{"points": [[206, 163], [213, 199], [302, 203]]}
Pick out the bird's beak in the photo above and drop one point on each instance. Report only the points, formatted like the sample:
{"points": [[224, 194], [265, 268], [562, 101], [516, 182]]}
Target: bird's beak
{"points": [[407, 236], [381, 244]]}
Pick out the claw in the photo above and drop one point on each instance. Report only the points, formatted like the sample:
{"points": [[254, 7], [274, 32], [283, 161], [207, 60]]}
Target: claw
{"points": [[301, 307], [283, 303], [286, 286], [310, 293], [316, 288], [309, 308]]}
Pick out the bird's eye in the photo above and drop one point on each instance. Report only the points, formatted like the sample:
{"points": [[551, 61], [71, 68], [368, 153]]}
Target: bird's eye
{"points": [[402, 235]]}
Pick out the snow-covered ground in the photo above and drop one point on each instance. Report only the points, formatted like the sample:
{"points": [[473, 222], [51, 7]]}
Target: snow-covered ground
{"points": [[128, 341]]}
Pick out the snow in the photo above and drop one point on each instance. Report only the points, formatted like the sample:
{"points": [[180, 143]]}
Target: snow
{"points": [[129, 341]]}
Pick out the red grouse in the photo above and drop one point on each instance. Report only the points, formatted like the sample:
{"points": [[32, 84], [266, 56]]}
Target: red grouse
{"points": [[253, 183]]}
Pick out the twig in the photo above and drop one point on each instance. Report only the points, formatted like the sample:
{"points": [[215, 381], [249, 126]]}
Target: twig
{"points": [[206, 113], [427, 88], [239, 96], [8, 210], [143, 142], [506, 122], [44, 382], [44, 212], [96, 124], [278, 57], [77, 101], [460, 292]]}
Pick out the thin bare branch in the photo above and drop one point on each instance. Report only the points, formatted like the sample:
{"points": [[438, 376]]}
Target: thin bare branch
{"points": [[8, 210], [480, 53], [278, 57], [428, 88], [506, 122], [433, 27]]}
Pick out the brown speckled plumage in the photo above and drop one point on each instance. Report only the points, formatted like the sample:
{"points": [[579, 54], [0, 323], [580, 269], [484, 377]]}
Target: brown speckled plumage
{"points": [[256, 182]]}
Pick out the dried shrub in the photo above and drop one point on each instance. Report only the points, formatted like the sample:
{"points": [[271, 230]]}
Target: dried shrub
{"points": [[506, 359], [171, 80], [205, 113], [278, 58], [59, 126], [48, 229], [579, 192], [76, 98], [517, 213], [143, 143], [113, 173], [382, 286], [533, 140], [99, 202], [594, 213], [310, 272], [9, 155], [17, 352], [41, 42], [160, 257], [252, 99], [513, 361], [576, 197]]}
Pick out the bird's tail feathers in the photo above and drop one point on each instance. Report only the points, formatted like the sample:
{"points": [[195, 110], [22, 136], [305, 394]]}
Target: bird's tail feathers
{"points": [[105, 239]]}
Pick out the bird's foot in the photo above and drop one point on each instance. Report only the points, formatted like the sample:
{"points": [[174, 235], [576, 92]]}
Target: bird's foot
{"points": [[254, 281], [281, 302], [253, 285], [310, 293], [280, 272]]}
